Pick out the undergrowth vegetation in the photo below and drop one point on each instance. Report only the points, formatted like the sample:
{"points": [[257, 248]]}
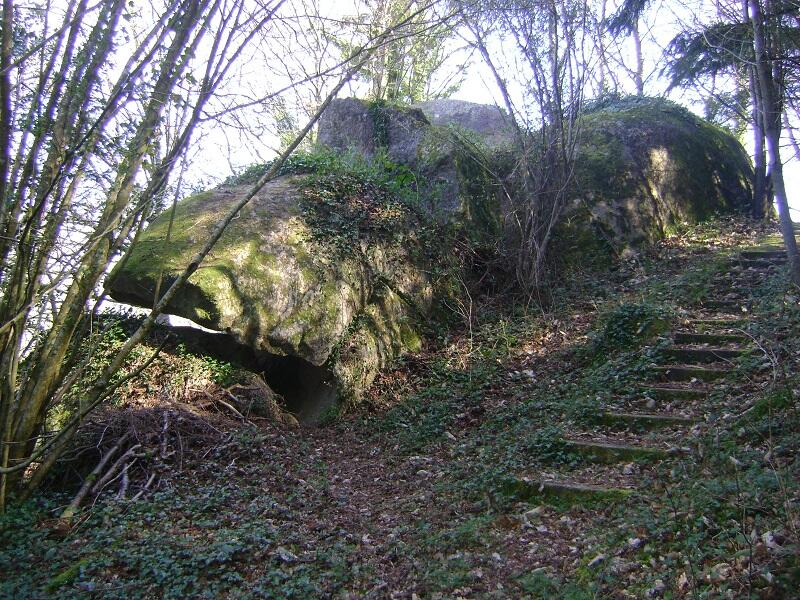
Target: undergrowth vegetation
{"points": [[415, 493]]}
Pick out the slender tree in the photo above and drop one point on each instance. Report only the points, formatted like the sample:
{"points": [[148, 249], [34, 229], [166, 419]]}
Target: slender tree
{"points": [[627, 20], [403, 70], [112, 130], [758, 56], [766, 24], [551, 37], [725, 50], [83, 171]]}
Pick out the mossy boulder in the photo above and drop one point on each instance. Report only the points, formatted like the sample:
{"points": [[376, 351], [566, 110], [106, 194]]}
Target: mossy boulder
{"points": [[644, 167], [489, 124], [339, 265], [446, 144], [373, 127], [341, 281], [338, 271]]}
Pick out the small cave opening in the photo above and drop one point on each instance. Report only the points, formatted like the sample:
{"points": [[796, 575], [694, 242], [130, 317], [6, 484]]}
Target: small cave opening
{"points": [[307, 389]]}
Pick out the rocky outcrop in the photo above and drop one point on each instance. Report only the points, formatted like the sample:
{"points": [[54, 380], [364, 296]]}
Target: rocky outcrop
{"points": [[291, 278], [645, 166], [326, 279], [490, 124], [351, 124], [438, 141]]}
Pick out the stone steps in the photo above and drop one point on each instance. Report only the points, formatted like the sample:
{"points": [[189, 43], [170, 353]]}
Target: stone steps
{"points": [[695, 355], [672, 394], [743, 272], [737, 276], [689, 337], [759, 263], [690, 372], [763, 254], [740, 277], [705, 324], [734, 306], [564, 490], [607, 452], [643, 420], [702, 345]]}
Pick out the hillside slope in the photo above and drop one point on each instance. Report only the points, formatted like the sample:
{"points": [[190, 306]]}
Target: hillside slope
{"points": [[476, 469]]}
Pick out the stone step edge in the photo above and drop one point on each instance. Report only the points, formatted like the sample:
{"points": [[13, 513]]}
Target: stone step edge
{"points": [[689, 355], [700, 348], [713, 338], [765, 253], [563, 489], [699, 372], [647, 419], [610, 453], [725, 304], [767, 265], [691, 367], [656, 390], [754, 256], [730, 322]]}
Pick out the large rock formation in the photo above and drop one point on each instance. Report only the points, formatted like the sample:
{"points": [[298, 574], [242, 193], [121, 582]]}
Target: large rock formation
{"points": [[443, 142], [329, 278], [340, 282], [491, 124], [646, 166]]}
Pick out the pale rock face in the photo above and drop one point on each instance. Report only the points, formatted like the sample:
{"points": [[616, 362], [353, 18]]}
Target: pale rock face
{"points": [[423, 138], [272, 287], [349, 124], [259, 283], [491, 123]]}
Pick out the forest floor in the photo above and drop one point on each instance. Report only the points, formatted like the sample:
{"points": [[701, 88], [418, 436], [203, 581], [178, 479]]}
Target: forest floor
{"points": [[527, 456]]}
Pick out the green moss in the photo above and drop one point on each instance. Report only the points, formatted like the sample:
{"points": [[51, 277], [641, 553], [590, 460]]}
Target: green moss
{"points": [[409, 337], [774, 402], [560, 497], [629, 325], [379, 113], [479, 189], [434, 148], [383, 331], [579, 244], [315, 160], [476, 168], [627, 141], [67, 576]]}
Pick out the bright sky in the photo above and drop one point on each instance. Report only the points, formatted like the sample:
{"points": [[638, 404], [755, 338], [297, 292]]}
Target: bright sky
{"points": [[479, 87], [223, 151]]}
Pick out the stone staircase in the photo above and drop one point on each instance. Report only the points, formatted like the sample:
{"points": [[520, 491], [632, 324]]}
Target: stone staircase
{"points": [[655, 424]]}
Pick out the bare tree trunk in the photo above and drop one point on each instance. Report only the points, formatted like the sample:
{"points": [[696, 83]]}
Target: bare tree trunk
{"points": [[790, 132], [600, 47], [50, 169], [553, 80], [771, 111], [49, 370], [759, 207], [638, 76]]}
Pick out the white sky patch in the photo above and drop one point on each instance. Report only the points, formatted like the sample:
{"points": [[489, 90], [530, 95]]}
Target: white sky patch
{"points": [[221, 150]]}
